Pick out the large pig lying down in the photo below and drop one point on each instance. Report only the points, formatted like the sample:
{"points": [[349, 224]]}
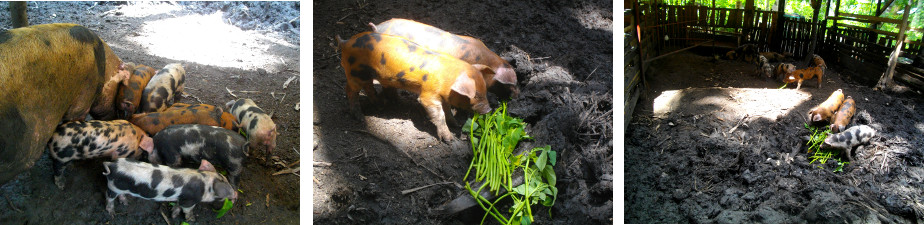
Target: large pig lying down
{"points": [[94, 139], [51, 73], [187, 187]]}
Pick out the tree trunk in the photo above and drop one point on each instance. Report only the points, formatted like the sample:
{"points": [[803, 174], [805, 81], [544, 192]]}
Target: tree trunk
{"points": [[777, 44], [816, 4], [18, 14], [886, 82]]}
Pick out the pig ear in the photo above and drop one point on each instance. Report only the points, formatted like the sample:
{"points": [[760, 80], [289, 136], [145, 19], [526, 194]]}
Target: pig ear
{"points": [[206, 166], [147, 144], [483, 69], [464, 85]]}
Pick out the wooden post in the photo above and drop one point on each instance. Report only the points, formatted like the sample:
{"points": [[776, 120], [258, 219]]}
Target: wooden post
{"points": [[778, 33], [816, 4], [18, 14], [748, 20], [886, 81]]}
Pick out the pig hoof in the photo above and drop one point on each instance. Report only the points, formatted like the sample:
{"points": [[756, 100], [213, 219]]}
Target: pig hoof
{"points": [[59, 181], [445, 136], [176, 211]]}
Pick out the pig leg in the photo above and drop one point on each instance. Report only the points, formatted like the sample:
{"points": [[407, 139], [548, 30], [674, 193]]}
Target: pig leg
{"points": [[450, 119], [187, 212], [390, 94], [433, 106], [799, 85], [58, 168], [110, 200], [820, 73], [187, 206], [352, 90]]}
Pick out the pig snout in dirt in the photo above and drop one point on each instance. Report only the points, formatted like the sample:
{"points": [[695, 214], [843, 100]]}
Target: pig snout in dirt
{"points": [[163, 88], [260, 128], [96, 139], [54, 72], [187, 187], [196, 142], [503, 83], [440, 80]]}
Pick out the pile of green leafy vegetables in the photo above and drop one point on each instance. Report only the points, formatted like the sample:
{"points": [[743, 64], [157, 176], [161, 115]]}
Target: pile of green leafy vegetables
{"points": [[494, 138]]}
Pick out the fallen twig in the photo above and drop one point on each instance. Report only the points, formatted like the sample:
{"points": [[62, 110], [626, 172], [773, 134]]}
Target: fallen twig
{"points": [[165, 217], [229, 92], [286, 84], [294, 163], [191, 95], [591, 73], [408, 191], [267, 200], [322, 164], [285, 171], [11, 204]]}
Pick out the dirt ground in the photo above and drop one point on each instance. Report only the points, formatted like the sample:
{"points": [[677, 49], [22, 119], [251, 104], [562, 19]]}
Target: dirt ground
{"points": [[562, 53], [254, 57], [732, 150]]}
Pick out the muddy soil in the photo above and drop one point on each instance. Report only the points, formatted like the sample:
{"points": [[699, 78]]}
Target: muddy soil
{"points": [[732, 151], [264, 46], [562, 52]]}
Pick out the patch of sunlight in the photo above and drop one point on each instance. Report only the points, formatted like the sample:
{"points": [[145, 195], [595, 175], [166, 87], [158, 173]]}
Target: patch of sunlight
{"points": [[920, 127], [594, 17], [768, 103], [144, 9], [207, 39]]}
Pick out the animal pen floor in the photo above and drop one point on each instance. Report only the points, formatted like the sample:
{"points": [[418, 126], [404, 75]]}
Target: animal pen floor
{"points": [[725, 146], [219, 58]]}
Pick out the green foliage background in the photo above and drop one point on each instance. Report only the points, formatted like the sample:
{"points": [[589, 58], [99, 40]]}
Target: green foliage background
{"points": [[803, 8]]}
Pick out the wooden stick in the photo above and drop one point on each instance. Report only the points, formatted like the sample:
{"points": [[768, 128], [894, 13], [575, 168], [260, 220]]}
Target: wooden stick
{"points": [[229, 92], [408, 191], [285, 171], [165, 217]]}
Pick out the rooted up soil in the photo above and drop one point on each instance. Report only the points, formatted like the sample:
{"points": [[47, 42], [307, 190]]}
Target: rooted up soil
{"points": [[253, 57], [730, 150], [562, 52]]}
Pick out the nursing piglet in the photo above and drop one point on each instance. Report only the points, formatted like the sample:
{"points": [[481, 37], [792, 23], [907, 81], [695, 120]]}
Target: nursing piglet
{"points": [[183, 114], [95, 139], [163, 87]]}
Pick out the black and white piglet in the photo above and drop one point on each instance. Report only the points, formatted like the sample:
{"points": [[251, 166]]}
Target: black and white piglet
{"points": [[195, 142], [161, 183], [850, 138]]}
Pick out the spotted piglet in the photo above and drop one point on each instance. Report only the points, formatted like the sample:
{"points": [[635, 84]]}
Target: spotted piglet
{"points": [[161, 183], [95, 139], [259, 127], [181, 113], [162, 88], [129, 95], [193, 142]]}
